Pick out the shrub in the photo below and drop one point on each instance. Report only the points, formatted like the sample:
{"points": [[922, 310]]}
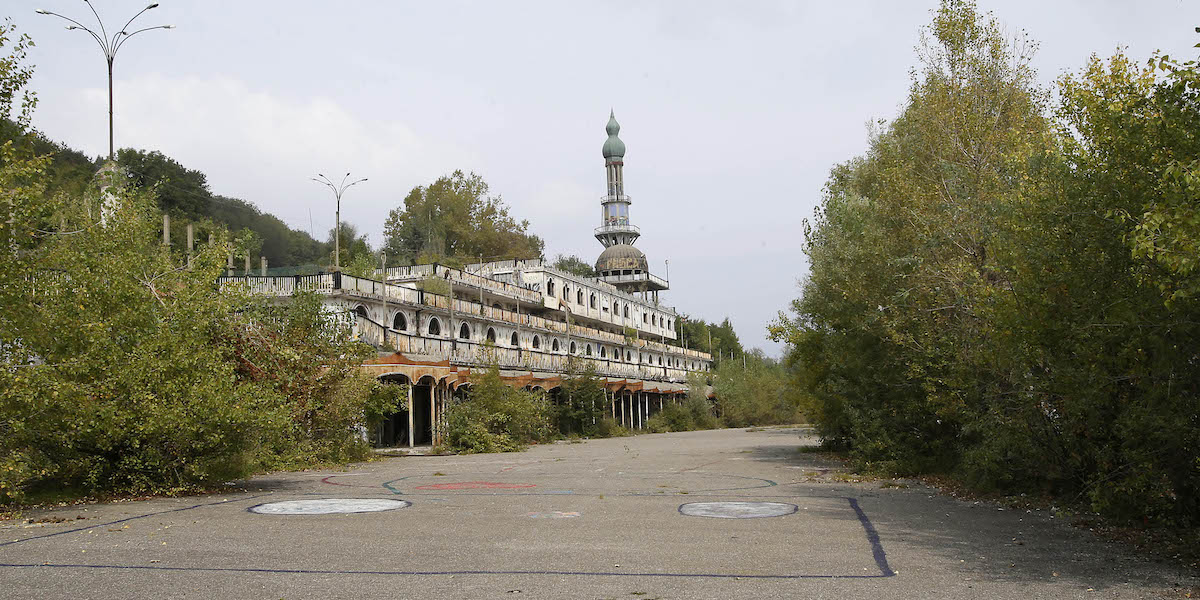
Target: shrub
{"points": [[496, 418]]}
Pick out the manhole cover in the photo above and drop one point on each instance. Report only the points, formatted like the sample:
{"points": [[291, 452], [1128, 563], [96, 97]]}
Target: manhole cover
{"points": [[328, 506], [737, 510]]}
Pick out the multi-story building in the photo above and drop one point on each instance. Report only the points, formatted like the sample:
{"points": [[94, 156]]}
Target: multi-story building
{"points": [[436, 326]]}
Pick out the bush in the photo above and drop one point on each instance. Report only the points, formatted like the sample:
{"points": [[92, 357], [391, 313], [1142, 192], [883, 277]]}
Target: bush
{"points": [[583, 402], [496, 418]]}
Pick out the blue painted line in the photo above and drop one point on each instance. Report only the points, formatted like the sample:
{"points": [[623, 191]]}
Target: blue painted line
{"points": [[419, 573], [873, 538], [125, 520]]}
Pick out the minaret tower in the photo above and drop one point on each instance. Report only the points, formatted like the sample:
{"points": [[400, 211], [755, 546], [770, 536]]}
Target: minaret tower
{"points": [[620, 264], [615, 227]]}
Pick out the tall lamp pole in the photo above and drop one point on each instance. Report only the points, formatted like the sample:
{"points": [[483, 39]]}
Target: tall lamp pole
{"points": [[338, 189], [110, 46]]}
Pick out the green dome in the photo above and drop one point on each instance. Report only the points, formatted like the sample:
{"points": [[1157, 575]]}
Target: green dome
{"points": [[613, 146]]}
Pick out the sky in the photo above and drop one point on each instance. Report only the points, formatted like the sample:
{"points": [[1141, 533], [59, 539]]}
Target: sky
{"points": [[732, 113]]}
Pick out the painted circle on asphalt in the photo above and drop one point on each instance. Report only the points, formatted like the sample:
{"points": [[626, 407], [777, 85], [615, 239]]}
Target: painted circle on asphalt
{"points": [[737, 510], [329, 506], [475, 485]]}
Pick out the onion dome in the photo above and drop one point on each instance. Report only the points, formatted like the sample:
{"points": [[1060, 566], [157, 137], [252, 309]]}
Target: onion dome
{"points": [[613, 146]]}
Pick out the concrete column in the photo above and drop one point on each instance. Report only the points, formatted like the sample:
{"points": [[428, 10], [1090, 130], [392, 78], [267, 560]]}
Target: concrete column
{"points": [[612, 404], [166, 229], [432, 413], [190, 244], [247, 263], [637, 413], [263, 261], [410, 415]]}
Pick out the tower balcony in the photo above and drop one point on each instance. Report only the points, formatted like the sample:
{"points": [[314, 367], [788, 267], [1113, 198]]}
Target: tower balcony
{"points": [[615, 198], [618, 227]]}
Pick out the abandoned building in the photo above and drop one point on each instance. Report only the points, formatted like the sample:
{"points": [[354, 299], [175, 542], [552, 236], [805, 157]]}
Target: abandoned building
{"points": [[437, 326]]}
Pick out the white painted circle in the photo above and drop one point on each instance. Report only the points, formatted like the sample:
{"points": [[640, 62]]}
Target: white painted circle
{"points": [[737, 510], [328, 506]]}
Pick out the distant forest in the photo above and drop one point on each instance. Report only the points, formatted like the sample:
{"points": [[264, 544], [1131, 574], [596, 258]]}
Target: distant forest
{"points": [[182, 193]]}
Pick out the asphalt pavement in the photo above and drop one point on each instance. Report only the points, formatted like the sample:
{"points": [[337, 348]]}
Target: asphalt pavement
{"points": [[716, 514]]}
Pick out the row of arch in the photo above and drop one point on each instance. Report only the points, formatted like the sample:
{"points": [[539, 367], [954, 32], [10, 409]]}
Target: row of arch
{"points": [[648, 318], [433, 327]]}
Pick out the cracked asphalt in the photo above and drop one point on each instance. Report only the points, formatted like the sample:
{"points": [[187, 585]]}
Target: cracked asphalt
{"points": [[597, 519]]}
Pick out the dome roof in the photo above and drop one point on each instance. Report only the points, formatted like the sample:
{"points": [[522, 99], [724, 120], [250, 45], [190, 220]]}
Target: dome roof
{"points": [[613, 146], [621, 257]]}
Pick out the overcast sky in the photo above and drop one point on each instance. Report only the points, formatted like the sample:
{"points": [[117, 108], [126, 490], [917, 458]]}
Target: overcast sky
{"points": [[732, 112]]}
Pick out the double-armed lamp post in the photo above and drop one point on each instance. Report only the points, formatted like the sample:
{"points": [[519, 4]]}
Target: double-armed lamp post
{"points": [[338, 189], [110, 45]]}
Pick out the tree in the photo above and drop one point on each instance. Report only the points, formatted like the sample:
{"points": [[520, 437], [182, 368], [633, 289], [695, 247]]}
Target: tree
{"points": [[455, 220], [1005, 292], [574, 265], [357, 255], [583, 401]]}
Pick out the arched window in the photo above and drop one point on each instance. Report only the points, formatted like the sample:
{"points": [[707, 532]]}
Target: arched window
{"points": [[589, 350], [554, 346], [435, 328], [464, 332], [572, 347], [628, 357], [550, 288], [491, 335], [566, 292], [602, 352], [537, 342], [616, 309], [515, 342], [592, 301], [669, 322], [361, 311], [660, 361], [645, 318], [399, 323], [654, 320], [579, 297], [626, 311]]}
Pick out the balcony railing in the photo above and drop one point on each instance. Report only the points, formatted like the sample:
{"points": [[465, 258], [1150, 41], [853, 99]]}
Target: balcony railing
{"points": [[458, 276], [618, 228], [464, 352], [636, 277], [328, 283]]}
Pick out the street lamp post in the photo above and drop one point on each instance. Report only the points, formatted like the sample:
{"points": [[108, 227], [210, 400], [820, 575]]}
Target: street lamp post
{"points": [[110, 46], [338, 189]]}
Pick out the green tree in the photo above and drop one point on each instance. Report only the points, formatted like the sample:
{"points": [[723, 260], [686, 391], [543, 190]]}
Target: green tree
{"points": [[583, 401], [574, 265], [496, 417], [455, 220]]}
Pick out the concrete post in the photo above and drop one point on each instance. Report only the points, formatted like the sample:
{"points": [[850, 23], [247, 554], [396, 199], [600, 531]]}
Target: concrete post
{"points": [[263, 262], [166, 229], [191, 244], [247, 264], [410, 415]]}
